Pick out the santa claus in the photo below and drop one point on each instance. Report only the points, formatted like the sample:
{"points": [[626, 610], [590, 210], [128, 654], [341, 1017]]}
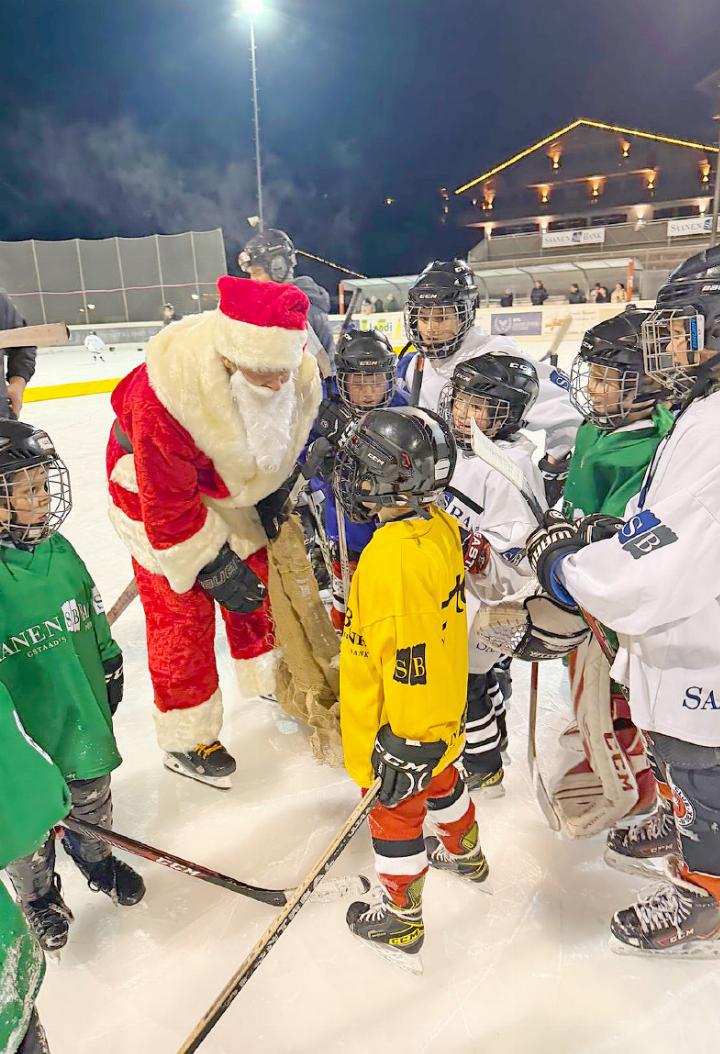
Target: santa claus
{"points": [[207, 435]]}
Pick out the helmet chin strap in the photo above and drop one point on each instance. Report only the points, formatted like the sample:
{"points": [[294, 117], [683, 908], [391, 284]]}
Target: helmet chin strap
{"points": [[704, 380]]}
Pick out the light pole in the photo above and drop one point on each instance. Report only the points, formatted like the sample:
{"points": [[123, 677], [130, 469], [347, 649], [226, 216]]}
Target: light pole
{"points": [[710, 86], [252, 9]]}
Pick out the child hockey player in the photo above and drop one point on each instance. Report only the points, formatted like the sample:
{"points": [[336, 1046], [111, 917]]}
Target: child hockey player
{"points": [[63, 670], [33, 797], [497, 392], [439, 320], [403, 667], [365, 366], [625, 420], [656, 583]]}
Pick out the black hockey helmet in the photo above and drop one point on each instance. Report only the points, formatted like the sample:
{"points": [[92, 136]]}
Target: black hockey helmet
{"points": [[684, 323], [608, 383], [35, 495], [495, 391], [402, 457], [365, 366], [273, 251], [440, 308]]}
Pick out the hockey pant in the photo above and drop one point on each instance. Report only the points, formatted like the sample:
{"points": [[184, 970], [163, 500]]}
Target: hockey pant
{"points": [[35, 1040], [614, 779], [180, 631], [485, 724], [397, 834], [337, 611], [692, 773], [91, 801]]}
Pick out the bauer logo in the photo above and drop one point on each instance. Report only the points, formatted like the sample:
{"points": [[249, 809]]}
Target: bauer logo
{"points": [[683, 808], [410, 666]]}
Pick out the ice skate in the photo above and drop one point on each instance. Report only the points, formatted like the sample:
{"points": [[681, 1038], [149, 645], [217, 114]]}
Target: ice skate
{"points": [[643, 848], [488, 784], [110, 876], [396, 933], [470, 865], [676, 919], [207, 763], [49, 917]]}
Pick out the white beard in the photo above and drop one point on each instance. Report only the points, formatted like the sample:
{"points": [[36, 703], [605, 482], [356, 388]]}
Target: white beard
{"points": [[268, 417]]}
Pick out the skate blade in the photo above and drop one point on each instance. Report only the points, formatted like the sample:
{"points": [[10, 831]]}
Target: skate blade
{"points": [[628, 865], [487, 793], [698, 949], [332, 889], [402, 960], [220, 782]]}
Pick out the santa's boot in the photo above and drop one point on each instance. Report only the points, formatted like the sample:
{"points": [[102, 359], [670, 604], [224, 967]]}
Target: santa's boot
{"points": [[208, 763]]}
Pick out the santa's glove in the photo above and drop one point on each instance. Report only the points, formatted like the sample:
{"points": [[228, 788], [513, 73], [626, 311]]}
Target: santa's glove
{"points": [[404, 766], [275, 509], [232, 582], [332, 419], [547, 547], [554, 474], [114, 681], [598, 528], [476, 553]]}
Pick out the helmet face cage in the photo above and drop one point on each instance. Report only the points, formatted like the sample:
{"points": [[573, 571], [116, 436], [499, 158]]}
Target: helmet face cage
{"points": [[608, 396], [276, 256], [460, 408], [35, 499], [672, 339], [452, 322], [365, 389]]}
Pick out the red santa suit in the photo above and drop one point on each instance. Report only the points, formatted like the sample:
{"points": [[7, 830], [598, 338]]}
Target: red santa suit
{"points": [[184, 481]]}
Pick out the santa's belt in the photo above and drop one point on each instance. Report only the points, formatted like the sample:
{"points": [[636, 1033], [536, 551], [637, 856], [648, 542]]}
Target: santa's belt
{"points": [[122, 438]]}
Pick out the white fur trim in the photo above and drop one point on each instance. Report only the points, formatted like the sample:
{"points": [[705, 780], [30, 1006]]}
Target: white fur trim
{"points": [[184, 729], [180, 563], [124, 473], [256, 676], [188, 377], [259, 347]]}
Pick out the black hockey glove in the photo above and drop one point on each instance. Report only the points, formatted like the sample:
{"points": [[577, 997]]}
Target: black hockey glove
{"points": [[114, 681], [332, 419], [404, 766], [598, 528], [556, 539], [274, 509], [232, 582], [554, 474]]}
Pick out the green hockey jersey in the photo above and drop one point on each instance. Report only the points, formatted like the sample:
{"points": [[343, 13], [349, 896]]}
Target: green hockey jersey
{"points": [[54, 637], [607, 468]]}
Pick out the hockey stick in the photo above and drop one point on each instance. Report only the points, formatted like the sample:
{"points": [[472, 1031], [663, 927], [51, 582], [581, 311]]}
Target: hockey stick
{"points": [[541, 792], [123, 601], [46, 336], [551, 353], [417, 379], [276, 897], [273, 933], [342, 546]]}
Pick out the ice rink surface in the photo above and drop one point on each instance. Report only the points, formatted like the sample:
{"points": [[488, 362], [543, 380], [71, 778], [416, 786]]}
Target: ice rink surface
{"points": [[523, 968]]}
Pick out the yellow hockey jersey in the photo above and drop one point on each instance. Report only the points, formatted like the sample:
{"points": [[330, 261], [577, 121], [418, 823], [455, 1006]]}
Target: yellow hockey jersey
{"points": [[404, 652]]}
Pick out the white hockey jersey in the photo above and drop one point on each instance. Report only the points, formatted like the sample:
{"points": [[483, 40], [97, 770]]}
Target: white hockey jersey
{"points": [[657, 584], [553, 412], [505, 522]]}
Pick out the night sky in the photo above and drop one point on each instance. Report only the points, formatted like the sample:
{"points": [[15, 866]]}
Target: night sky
{"points": [[132, 116]]}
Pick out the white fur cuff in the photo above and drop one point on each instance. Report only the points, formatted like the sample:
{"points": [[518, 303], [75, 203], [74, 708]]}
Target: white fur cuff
{"points": [[256, 676], [184, 729], [181, 563]]}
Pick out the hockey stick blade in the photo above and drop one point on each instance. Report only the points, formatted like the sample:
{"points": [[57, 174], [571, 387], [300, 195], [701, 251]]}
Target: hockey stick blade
{"points": [[491, 454], [542, 796], [268, 940]]}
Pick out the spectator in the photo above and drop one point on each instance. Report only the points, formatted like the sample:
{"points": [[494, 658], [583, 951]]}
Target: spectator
{"points": [[170, 315], [619, 294], [377, 304], [575, 296], [595, 292], [507, 299], [538, 294], [391, 304], [20, 362], [603, 295], [366, 307]]}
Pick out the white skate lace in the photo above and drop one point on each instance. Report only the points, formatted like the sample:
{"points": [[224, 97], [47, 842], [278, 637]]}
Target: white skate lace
{"points": [[663, 907], [375, 913], [655, 829]]}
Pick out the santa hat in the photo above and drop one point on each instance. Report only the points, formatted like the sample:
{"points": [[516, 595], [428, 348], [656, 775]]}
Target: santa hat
{"points": [[261, 325]]}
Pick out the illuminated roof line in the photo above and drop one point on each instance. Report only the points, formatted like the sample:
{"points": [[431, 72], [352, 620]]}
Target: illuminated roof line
{"points": [[590, 124]]}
